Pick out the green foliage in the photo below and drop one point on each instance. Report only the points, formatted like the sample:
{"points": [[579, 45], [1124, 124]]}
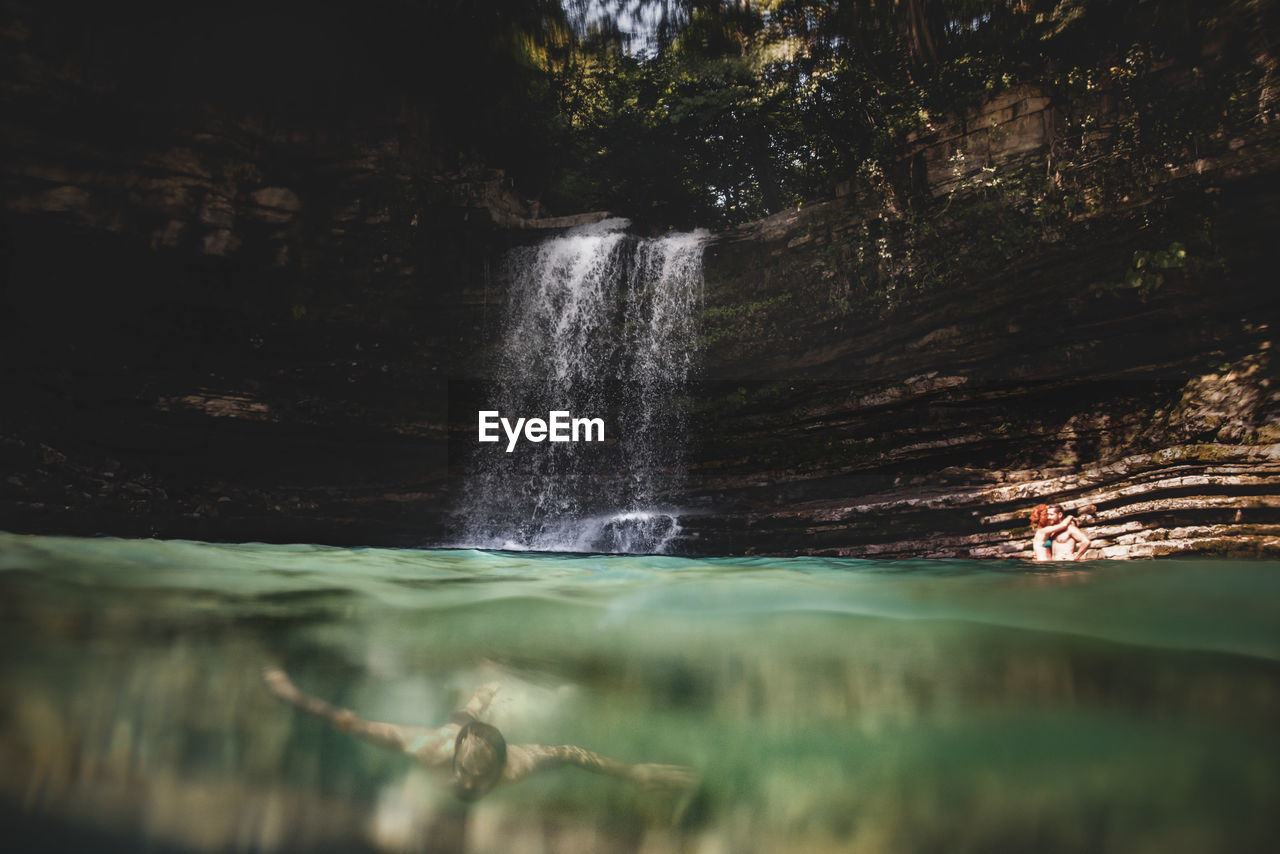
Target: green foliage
{"points": [[754, 107], [751, 321], [742, 108], [1145, 275]]}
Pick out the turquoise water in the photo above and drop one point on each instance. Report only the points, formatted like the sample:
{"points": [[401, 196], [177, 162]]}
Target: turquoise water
{"points": [[826, 705]]}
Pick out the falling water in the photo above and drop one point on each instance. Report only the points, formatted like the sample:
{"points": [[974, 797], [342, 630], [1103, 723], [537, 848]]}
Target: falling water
{"points": [[602, 325]]}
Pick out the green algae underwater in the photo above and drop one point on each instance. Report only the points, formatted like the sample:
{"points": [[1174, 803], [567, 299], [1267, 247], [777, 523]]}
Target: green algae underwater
{"points": [[825, 705]]}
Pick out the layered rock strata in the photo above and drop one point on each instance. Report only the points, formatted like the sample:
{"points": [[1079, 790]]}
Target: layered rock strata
{"points": [[225, 327], [848, 418]]}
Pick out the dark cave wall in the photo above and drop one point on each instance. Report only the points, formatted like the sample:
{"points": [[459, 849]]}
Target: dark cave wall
{"points": [[234, 322], [226, 317], [872, 392]]}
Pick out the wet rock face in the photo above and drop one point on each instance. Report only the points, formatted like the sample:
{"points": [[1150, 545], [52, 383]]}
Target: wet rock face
{"points": [[1014, 125], [227, 323], [229, 317], [220, 327], [847, 417], [893, 461]]}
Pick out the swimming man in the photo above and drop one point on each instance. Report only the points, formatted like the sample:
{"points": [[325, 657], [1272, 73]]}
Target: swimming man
{"points": [[478, 756]]}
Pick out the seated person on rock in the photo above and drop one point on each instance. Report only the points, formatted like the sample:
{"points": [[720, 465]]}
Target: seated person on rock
{"points": [[478, 756], [1057, 537]]}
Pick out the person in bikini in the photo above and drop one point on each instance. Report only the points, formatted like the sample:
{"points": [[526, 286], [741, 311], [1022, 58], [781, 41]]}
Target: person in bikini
{"points": [[1057, 536], [475, 752]]}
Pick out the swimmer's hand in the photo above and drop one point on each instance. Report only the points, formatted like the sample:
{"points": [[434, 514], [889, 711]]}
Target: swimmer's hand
{"points": [[278, 682], [651, 776]]}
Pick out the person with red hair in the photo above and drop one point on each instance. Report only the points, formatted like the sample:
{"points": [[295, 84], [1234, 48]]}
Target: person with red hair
{"points": [[1057, 536]]}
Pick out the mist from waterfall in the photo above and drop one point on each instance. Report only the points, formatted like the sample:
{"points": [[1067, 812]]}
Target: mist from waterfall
{"points": [[603, 325]]}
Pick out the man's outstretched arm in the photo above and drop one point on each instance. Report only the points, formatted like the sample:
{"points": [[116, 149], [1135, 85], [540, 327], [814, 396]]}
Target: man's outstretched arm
{"points": [[480, 700], [526, 759], [432, 746]]}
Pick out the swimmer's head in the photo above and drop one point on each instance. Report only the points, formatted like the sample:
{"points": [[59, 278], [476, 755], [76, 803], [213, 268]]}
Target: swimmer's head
{"points": [[1046, 514], [479, 755]]}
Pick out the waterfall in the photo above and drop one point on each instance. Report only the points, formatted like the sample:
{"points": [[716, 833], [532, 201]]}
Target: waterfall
{"points": [[602, 325]]}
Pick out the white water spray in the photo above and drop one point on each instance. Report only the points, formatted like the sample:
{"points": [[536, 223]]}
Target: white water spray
{"points": [[599, 324]]}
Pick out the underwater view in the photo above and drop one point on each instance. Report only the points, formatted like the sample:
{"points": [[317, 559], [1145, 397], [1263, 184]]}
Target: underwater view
{"points": [[639, 426], [816, 704]]}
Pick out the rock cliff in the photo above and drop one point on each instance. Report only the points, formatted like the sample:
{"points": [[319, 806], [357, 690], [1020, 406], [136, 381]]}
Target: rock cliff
{"points": [[875, 391], [228, 326], [227, 322]]}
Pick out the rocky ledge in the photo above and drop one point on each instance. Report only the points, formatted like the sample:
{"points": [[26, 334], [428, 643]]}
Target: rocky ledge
{"points": [[230, 331], [881, 385]]}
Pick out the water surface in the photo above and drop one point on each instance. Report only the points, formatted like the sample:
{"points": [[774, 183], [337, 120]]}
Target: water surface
{"points": [[827, 705]]}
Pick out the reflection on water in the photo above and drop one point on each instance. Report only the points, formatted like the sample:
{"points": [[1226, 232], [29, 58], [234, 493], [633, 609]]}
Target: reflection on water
{"points": [[828, 705]]}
